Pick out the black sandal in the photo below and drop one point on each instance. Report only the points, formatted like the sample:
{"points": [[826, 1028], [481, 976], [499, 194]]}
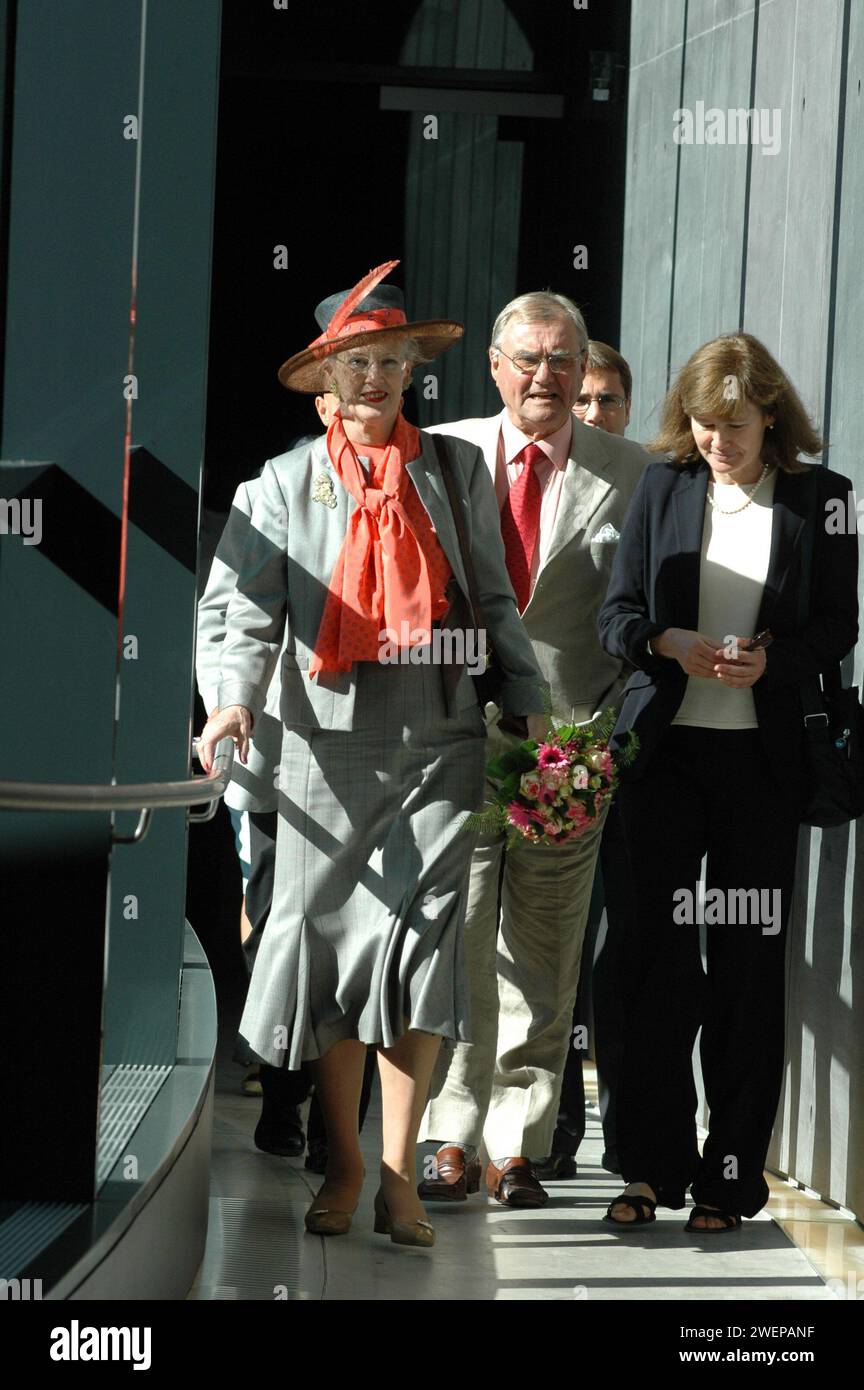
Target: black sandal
{"points": [[732, 1222], [643, 1207]]}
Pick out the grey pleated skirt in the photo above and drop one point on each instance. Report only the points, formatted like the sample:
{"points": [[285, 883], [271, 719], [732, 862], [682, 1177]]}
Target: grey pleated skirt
{"points": [[371, 876]]}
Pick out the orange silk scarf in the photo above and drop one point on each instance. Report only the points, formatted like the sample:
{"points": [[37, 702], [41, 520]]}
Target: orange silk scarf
{"points": [[391, 569]]}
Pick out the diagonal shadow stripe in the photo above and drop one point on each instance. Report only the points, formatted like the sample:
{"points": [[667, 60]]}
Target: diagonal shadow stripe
{"points": [[163, 506], [80, 535]]}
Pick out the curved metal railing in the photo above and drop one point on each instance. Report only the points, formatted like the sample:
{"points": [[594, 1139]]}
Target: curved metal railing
{"points": [[133, 796]]}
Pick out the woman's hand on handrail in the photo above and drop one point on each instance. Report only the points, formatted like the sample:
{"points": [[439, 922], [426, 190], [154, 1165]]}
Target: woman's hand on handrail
{"points": [[235, 721]]}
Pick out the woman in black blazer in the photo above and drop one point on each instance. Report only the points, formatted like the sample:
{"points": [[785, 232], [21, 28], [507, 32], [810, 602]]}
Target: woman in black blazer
{"points": [[711, 556]]}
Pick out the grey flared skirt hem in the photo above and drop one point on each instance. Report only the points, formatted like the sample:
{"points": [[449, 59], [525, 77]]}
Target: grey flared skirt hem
{"points": [[364, 938]]}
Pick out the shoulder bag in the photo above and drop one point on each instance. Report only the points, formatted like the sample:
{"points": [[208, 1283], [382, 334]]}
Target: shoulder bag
{"points": [[833, 726]]}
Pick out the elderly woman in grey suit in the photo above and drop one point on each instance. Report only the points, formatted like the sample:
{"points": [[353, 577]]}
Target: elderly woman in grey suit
{"points": [[352, 564]]}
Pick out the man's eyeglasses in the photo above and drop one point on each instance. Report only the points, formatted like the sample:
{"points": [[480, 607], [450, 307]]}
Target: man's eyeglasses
{"points": [[529, 362], [605, 400]]}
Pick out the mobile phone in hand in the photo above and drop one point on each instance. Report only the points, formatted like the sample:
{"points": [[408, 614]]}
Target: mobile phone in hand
{"points": [[759, 642]]}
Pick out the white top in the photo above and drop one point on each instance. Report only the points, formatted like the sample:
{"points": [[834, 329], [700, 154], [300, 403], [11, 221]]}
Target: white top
{"points": [[735, 554]]}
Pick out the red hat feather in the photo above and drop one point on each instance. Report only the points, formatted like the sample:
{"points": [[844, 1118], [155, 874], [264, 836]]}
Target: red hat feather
{"points": [[356, 296]]}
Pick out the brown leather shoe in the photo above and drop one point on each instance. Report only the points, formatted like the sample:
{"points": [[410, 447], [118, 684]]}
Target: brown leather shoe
{"points": [[514, 1184], [455, 1179]]}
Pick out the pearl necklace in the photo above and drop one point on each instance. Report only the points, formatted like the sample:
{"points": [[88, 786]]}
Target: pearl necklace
{"points": [[731, 511]]}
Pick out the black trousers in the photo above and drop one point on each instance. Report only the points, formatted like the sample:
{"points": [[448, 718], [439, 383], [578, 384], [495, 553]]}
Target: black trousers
{"points": [[286, 1088], [600, 1001], [706, 791]]}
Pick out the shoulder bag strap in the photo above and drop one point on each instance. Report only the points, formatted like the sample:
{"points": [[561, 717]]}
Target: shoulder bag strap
{"points": [[811, 689], [440, 447]]}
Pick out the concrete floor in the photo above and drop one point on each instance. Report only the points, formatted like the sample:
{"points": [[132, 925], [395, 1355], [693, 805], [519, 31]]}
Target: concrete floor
{"points": [[257, 1247]]}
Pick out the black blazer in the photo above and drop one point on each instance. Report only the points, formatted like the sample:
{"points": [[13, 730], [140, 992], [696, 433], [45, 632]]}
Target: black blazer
{"points": [[655, 585]]}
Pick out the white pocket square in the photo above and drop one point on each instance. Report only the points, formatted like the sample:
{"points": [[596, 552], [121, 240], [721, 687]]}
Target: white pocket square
{"points": [[606, 533]]}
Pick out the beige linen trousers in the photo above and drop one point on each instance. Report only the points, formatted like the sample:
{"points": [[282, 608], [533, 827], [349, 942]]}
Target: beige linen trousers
{"points": [[526, 917]]}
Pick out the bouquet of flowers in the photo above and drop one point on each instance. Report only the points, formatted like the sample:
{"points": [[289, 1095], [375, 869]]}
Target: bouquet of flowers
{"points": [[552, 791]]}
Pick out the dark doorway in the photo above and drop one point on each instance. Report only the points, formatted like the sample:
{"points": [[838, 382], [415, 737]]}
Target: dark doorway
{"points": [[326, 149]]}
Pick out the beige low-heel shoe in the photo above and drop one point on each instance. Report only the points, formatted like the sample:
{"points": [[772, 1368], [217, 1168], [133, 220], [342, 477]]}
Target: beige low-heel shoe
{"points": [[327, 1223], [401, 1232]]}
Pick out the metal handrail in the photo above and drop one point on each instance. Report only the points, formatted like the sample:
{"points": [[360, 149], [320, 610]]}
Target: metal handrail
{"points": [[134, 796]]}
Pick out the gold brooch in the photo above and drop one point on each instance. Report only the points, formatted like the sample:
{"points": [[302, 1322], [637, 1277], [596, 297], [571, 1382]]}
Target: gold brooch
{"points": [[323, 490]]}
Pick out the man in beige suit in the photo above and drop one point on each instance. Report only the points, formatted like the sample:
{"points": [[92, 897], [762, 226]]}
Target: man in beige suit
{"points": [[563, 489]]}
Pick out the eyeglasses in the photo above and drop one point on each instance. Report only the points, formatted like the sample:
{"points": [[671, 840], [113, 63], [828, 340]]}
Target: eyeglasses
{"points": [[605, 400], [529, 362], [359, 365]]}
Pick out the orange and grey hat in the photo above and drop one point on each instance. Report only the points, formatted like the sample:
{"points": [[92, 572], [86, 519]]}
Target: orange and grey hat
{"points": [[358, 316]]}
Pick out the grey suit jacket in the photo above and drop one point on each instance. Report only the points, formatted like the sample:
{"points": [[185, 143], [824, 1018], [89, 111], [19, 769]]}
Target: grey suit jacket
{"points": [[561, 618], [298, 526], [253, 787]]}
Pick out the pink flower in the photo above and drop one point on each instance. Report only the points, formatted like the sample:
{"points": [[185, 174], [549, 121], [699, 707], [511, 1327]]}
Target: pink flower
{"points": [[524, 816], [519, 816], [549, 756], [530, 785]]}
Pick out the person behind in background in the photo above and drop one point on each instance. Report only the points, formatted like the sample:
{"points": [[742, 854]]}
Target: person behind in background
{"points": [[607, 390], [603, 403], [710, 558]]}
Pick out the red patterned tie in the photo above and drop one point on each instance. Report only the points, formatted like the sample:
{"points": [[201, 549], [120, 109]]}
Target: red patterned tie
{"points": [[520, 524]]}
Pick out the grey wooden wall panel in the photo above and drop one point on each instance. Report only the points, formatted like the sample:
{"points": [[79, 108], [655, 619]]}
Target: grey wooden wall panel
{"points": [[792, 193], [463, 204], [460, 265], [501, 41], [712, 185], [649, 231], [517, 52], [845, 426], [657, 28], [808, 310], [705, 15], [822, 1137]]}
